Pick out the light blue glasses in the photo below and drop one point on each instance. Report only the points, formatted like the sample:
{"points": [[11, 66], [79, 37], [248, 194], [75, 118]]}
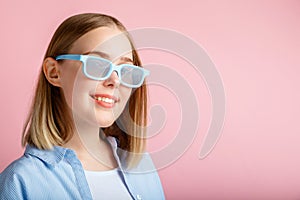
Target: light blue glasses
{"points": [[100, 69]]}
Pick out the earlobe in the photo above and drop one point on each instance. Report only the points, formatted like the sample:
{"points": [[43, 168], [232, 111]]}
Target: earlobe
{"points": [[51, 71]]}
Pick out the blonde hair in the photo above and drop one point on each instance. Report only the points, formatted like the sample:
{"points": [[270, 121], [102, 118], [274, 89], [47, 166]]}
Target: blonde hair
{"points": [[49, 122]]}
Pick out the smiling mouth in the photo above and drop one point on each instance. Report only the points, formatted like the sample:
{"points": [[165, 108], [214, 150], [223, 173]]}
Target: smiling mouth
{"points": [[105, 100]]}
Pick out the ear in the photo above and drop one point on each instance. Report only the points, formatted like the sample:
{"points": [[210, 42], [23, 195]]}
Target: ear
{"points": [[51, 71]]}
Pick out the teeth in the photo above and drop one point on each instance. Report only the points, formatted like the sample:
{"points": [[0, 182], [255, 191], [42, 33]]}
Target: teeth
{"points": [[105, 99]]}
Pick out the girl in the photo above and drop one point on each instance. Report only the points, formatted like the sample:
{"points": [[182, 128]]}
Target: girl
{"points": [[91, 77]]}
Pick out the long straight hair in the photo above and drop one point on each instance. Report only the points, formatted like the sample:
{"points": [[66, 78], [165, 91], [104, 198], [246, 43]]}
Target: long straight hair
{"points": [[50, 123]]}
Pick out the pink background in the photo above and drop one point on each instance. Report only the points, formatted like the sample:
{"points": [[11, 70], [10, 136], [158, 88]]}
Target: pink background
{"points": [[255, 46]]}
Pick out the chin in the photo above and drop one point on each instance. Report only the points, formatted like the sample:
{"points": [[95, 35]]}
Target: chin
{"points": [[105, 124]]}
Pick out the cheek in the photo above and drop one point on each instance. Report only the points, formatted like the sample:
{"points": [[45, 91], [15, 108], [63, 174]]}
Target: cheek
{"points": [[126, 93], [68, 91], [70, 78]]}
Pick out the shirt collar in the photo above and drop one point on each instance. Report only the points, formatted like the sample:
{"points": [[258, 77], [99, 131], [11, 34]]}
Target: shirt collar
{"points": [[53, 156]]}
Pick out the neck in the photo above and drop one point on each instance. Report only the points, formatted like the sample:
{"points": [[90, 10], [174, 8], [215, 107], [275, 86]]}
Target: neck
{"points": [[94, 152]]}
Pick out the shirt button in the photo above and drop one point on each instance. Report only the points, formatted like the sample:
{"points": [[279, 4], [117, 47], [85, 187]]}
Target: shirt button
{"points": [[139, 197]]}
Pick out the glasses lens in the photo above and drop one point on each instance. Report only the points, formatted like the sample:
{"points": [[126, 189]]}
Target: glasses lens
{"points": [[132, 75], [97, 68]]}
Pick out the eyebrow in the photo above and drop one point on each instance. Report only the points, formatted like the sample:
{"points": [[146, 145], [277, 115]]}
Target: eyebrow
{"points": [[106, 56], [126, 59]]}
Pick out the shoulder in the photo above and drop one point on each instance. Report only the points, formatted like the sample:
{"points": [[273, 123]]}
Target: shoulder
{"points": [[27, 173], [145, 178], [35, 162], [24, 166], [145, 165], [13, 179]]}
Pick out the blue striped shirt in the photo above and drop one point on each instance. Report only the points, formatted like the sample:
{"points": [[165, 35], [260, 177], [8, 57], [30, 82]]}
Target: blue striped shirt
{"points": [[58, 174]]}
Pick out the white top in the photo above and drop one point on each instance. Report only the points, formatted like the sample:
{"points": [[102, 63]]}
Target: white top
{"points": [[106, 185]]}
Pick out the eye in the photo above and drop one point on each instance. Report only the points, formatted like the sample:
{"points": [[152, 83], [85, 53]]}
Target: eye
{"points": [[97, 67], [127, 69]]}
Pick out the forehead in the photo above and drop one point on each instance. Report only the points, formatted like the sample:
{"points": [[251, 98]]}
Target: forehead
{"points": [[108, 40]]}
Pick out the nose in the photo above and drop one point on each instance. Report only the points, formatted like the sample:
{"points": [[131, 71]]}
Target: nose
{"points": [[113, 81]]}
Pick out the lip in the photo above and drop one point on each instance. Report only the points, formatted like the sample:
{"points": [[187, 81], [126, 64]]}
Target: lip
{"points": [[102, 103]]}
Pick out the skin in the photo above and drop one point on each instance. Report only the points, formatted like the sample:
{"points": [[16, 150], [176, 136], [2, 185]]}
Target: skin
{"points": [[94, 153]]}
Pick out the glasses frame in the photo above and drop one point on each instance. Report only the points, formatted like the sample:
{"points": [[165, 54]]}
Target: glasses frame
{"points": [[113, 67]]}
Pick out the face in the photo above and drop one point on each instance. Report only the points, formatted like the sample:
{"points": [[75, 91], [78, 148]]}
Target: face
{"points": [[97, 102]]}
